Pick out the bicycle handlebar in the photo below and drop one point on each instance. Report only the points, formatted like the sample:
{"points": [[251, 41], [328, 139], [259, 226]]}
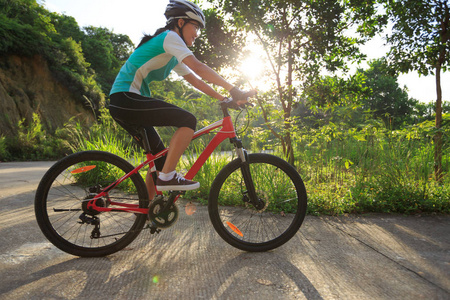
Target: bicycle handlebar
{"points": [[232, 104]]}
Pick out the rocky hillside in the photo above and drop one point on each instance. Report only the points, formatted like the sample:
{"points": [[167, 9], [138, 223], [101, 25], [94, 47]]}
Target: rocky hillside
{"points": [[27, 86]]}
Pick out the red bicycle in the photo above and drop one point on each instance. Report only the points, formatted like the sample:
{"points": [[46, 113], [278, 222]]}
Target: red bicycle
{"points": [[94, 203]]}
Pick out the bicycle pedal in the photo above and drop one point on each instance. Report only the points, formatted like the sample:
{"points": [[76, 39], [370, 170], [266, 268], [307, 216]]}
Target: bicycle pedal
{"points": [[154, 230]]}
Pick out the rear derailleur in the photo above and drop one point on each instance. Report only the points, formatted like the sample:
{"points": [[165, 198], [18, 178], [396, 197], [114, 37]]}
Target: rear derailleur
{"points": [[89, 214], [91, 220]]}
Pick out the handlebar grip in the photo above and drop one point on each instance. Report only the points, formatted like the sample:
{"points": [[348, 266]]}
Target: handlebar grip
{"points": [[230, 103]]}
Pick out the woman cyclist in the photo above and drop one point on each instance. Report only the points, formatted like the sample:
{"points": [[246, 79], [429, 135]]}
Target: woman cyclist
{"points": [[155, 57]]}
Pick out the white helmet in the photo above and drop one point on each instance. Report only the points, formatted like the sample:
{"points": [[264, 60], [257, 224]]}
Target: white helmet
{"points": [[183, 9]]}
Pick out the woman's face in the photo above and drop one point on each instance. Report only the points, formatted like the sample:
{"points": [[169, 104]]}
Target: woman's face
{"points": [[191, 31]]}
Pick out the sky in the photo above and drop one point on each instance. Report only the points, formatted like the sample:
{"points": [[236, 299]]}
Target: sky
{"points": [[145, 16]]}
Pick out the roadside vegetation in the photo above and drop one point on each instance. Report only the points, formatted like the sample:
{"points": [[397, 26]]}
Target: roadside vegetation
{"points": [[360, 143]]}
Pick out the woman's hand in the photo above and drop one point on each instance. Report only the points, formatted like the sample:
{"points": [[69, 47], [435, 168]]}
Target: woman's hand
{"points": [[240, 96]]}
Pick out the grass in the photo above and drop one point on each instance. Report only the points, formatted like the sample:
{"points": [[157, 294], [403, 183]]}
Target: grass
{"points": [[207, 173], [384, 171], [32, 142], [361, 171]]}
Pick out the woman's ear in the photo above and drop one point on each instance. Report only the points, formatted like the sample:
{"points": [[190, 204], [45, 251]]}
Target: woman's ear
{"points": [[181, 23]]}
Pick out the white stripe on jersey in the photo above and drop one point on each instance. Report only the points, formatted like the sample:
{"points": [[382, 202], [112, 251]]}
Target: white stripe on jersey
{"points": [[155, 63]]}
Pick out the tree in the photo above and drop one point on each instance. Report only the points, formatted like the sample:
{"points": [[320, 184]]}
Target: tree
{"points": [[220, 45], [300, 38], [420, 41], [27, 28], [67, 27], [106, 52], [385, 98]]}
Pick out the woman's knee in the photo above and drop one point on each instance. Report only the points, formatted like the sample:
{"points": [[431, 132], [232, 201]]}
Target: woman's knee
{"points": [[191, 121]]}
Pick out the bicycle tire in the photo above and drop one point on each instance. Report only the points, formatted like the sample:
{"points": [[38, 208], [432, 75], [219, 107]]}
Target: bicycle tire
{"points": [[65, 187], [240, 224]]}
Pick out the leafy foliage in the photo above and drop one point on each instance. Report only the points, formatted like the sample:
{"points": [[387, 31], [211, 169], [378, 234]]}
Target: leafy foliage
{"points": [[29, 30], [33, 143], [420, 35], [335, 128], [301, 38], [372, 168], [386, 99], [420, 41], [106, 52], [85, 60], [221, 45]]}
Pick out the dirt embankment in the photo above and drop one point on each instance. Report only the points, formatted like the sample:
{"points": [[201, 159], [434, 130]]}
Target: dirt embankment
{"points": [[27, 86]]}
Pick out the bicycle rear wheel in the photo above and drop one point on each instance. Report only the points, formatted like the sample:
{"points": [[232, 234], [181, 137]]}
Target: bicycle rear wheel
{"points": [[62, 197], [283, 195]]}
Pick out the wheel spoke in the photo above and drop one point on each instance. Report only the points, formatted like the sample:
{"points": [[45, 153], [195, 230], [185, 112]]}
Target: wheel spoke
{"points": [[63, 195], [280, 188]]}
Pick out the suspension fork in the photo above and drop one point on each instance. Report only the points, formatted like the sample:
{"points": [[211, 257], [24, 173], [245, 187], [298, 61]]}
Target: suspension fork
{"points": [[245, 170]]}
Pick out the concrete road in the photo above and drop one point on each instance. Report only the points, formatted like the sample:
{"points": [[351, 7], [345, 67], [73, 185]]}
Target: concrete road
{"points": [[346, 257]]}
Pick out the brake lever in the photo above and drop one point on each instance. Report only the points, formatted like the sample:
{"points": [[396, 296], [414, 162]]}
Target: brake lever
{"points": [[244, 105]]}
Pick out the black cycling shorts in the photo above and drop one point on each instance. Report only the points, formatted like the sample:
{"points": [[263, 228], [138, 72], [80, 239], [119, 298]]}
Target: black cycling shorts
{"points": [[135, 112]]}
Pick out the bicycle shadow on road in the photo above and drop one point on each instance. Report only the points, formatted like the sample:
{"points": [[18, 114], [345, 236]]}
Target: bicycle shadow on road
{"points": [[74, 278], [189, 262], [265, 274]]}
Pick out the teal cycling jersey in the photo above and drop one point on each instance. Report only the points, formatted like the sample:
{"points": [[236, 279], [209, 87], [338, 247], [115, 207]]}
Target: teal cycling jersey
{"points": [[152, 61]]}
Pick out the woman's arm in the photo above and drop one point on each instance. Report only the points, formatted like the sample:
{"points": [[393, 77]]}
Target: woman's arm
{"points": [[202, 86], [206, 73]]}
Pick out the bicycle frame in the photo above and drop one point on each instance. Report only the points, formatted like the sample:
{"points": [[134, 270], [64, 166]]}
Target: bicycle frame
{"points": [[226, 132]]}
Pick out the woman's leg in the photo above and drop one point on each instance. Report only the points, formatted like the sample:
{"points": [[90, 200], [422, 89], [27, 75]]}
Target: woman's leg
{"points": [[168, 179], [136, 110], [150, 185], [178, 144]]}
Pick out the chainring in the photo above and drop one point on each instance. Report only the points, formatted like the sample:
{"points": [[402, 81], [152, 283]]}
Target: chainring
{"points": [[162, 219]]}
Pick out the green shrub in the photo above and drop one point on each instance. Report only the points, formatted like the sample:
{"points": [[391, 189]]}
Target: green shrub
{"points": [[32, 143]]}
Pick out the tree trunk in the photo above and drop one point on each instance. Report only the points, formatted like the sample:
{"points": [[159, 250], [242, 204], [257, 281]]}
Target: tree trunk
{"points": [[445, 35], [288, 106], [438, 124]]}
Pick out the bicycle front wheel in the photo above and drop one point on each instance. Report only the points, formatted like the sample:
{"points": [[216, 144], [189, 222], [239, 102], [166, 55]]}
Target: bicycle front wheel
{"points": [[66, 220], [280, 192]]}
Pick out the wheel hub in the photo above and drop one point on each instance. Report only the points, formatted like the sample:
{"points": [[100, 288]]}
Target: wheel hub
{"points": [[262, 204], [87, 203]]}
